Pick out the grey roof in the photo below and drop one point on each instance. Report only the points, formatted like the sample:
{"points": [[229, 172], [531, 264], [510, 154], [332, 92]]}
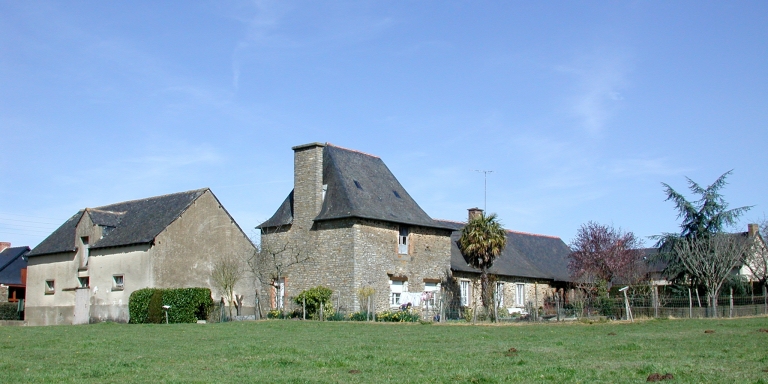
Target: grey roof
{"points": [[283, 216], [129, 222], [12, 261], [526, 255], [359, 185]]}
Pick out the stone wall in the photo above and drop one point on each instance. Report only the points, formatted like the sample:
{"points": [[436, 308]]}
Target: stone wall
{"points": [[377, 258], [536, 290], [3, 294], [349, 254]]}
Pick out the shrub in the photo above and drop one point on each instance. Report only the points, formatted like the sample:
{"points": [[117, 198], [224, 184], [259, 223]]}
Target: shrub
{"points": [[155, 309], [359, 316], [187, 305], [314, 298], [274, 314], [8, 311], [402, 316], [138, 305]]}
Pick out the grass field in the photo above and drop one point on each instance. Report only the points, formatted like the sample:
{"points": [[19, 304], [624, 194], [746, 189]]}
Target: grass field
{"points": [[295, 351]]}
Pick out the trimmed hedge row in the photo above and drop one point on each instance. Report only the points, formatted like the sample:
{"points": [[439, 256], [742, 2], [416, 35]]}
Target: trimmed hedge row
{"points": [[187, 305], [8, 311]]}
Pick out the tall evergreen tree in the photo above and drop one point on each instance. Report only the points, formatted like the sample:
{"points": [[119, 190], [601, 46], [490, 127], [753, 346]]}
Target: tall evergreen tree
{"points": [[700, 219]]}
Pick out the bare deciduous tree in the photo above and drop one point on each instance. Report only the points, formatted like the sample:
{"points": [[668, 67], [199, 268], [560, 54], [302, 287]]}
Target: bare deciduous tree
{"points": [[226, 273], [710, 259], [273, 259]]}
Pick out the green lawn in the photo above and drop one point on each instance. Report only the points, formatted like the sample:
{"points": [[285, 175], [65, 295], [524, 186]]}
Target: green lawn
{"points": [[296, 351]]}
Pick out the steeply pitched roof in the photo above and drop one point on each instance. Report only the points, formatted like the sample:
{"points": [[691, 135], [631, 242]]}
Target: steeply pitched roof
{"points": [[12, 261], [526, 255], [128, 222], [359, 185]]}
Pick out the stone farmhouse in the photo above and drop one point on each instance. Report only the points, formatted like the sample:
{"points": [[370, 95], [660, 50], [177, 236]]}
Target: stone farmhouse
{"points": [[357, 227], [86, 270]]}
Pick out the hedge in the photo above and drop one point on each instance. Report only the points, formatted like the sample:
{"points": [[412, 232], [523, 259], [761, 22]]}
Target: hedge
{"points": [[8, 311], [187, 305]]}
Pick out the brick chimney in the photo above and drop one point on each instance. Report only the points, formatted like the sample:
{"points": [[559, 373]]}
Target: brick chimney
{"points": [[4, 245], [474, 212], [752, 229], [307, 183]]}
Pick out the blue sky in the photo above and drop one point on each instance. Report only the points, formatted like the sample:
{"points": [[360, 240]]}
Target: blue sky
{"points": [[580, 109]]}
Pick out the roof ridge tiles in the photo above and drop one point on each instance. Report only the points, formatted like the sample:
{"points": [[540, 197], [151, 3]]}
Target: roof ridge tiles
{"points": [[148, 198], [532, 234], [352, 150], [451, 221]]}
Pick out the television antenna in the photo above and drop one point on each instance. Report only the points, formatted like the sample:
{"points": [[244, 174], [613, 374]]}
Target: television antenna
{"points": [[485, 188]]}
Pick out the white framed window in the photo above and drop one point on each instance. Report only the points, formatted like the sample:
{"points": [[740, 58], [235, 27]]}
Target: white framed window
{"points": [[84, 252], [83, 282], [499, 294], [520, 295], [402, 241], [118, 283], [431, 290], [464, 288], [279, 291], [50, 287], [396, 289]]}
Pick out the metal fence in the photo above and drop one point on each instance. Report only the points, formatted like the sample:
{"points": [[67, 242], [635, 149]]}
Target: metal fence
{"points": [[444, 307]]}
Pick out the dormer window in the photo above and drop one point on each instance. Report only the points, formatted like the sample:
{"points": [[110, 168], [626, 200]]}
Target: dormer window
{"points": [[357, 184], [396, 194]]}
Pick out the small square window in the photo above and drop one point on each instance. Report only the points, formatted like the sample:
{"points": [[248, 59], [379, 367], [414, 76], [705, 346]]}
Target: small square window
{"points": [[117, 283], [83, 281], [49, 287]]}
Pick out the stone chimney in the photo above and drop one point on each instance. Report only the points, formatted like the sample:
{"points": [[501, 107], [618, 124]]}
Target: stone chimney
{"points": [[4, 245], [752, 229], [307, 184], [474, 212]]}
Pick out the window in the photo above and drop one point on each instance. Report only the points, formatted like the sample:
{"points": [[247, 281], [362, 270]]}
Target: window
{"points": [[49, 287], [117, 283], [325, 190], [84, 252], [83, 282], [464, 286], [520, 295], [499, 294], [402, 241], [431, 290], [396, 289], [279, 291]]}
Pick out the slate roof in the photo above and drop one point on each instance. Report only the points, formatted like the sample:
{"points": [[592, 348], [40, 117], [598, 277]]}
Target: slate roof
{"points": [[526, 255], [359, 185], [127, 223], [12, 261]]}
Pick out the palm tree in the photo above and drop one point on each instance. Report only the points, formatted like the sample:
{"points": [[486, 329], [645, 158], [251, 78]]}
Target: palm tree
{"points": [[481, 241]]}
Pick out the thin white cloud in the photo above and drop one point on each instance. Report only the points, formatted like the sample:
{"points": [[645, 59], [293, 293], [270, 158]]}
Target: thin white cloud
{"points": [[598, 81]]}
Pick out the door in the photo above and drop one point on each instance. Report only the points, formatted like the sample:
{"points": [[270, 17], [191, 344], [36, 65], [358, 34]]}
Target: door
{"points": [[82, 306]]}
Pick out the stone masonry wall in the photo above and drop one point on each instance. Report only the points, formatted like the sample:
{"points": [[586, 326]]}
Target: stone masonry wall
{"points": [[534, 289], [377, 258]]}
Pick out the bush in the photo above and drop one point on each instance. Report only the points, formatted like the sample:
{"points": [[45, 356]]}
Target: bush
{"points": [[155, 309], [408, 315], [315, 297], [8, 311], [359, 316], [187, 305]]}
